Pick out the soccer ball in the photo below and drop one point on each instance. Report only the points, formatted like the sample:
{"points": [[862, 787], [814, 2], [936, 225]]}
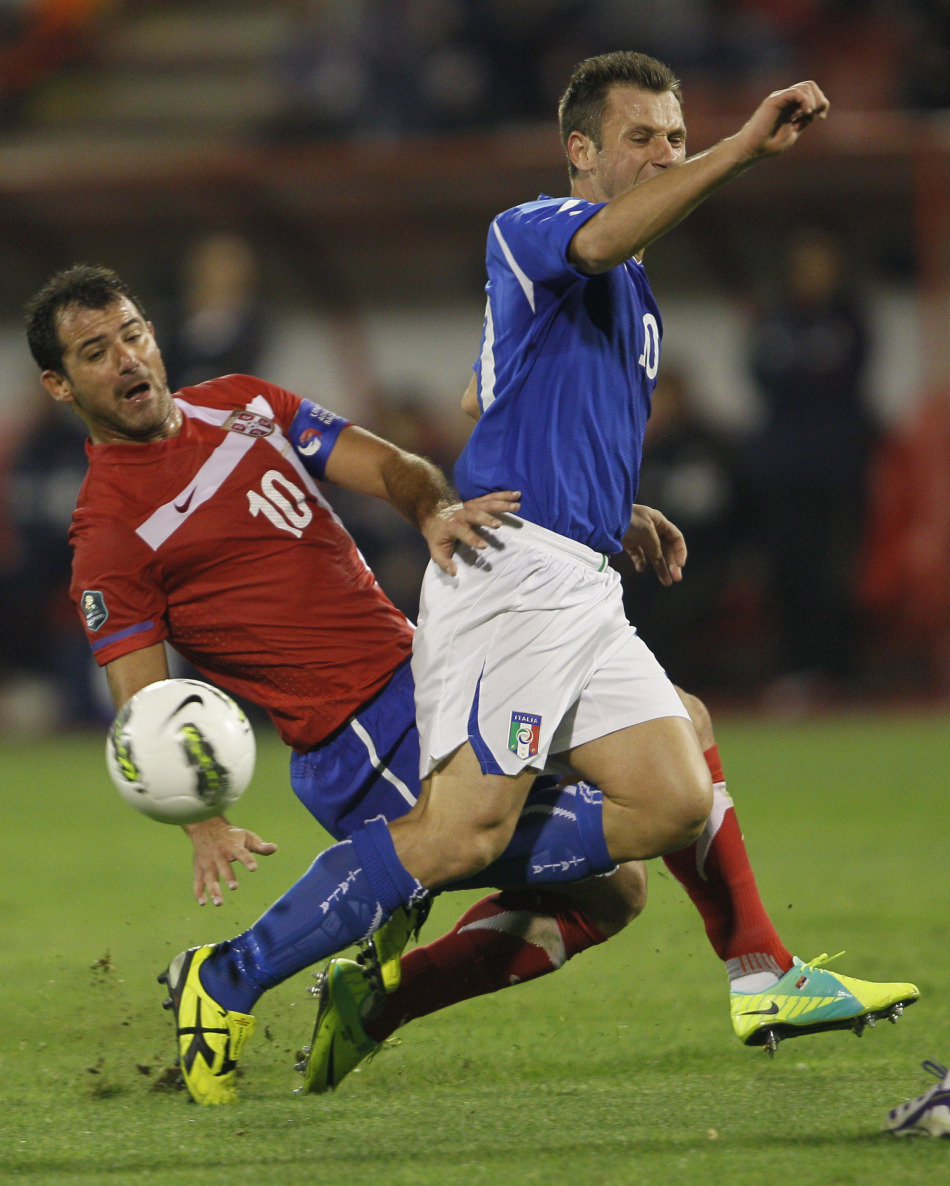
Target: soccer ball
{"points": [[180, 751]]}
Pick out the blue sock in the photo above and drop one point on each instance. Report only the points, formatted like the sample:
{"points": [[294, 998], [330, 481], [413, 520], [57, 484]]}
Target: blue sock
{"points": [[347, 892], [559, 837]]}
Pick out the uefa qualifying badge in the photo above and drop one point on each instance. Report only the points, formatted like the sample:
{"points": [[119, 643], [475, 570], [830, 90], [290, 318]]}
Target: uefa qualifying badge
{"points": [[524, 735]]}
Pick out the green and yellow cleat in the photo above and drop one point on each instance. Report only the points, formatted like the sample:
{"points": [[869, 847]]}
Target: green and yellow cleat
{"points": [[809, 999], [210, 1038], [349, 995], [383, 952]]}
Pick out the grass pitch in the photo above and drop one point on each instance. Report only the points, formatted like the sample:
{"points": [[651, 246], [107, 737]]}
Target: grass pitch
{"points": [[621, 1068]]}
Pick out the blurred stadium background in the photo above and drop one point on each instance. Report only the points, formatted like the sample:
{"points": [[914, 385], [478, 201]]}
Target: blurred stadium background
{"points": [[301, 189]]}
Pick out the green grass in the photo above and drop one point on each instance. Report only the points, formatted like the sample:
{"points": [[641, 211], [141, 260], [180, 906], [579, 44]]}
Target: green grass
{"points": [[622, 1068]]}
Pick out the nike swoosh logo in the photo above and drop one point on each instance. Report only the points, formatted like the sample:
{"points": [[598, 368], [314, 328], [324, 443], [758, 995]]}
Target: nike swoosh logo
{"points": [[181, 507], [194, 698], [773, 1008]]}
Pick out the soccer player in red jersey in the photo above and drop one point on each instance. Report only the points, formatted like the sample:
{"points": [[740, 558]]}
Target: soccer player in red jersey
{"points": [[201, 523]]}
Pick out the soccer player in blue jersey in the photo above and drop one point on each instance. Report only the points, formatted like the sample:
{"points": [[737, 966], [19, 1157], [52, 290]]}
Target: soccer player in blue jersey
{"points": [[523, 652]]}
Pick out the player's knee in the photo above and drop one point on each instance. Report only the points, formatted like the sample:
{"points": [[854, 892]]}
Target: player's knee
{"points": [[682, 809], [466, 855], [623, 898]]}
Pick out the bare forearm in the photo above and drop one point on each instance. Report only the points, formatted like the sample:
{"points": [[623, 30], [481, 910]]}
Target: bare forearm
{"points": [[367, 464], [415, 487], [132, 672], [629, 223]]}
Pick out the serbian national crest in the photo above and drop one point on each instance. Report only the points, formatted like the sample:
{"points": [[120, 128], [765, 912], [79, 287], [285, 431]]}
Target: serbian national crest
{"points": [[249, 424], [524, 734]]}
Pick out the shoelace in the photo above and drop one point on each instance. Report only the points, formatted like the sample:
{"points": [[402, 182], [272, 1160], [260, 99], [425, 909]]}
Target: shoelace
{"points": [[937, 1069], [820, 960]]}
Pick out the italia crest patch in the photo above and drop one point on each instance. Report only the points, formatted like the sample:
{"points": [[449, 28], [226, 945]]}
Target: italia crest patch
{"points": [[524, 734], [93, 606]]}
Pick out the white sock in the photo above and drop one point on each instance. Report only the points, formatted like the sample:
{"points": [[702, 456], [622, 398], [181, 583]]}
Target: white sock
{"points": [[754, 982]]}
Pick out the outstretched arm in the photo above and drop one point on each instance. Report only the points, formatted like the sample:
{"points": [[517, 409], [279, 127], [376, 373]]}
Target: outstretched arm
{"points": [[630, 222], [417, 489]]}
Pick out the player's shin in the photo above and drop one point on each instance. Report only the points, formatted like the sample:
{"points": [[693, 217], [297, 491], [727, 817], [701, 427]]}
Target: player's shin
{"points": [[503, 940], [716, 873], [345, 894]]}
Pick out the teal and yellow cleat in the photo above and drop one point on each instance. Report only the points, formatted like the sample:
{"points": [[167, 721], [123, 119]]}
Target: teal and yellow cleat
{"points": [[210, 1038], [383, 952], [349, 995], [809, 999]]}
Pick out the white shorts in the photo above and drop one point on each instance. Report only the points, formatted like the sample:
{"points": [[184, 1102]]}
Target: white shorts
{"points": [[526, 652]]}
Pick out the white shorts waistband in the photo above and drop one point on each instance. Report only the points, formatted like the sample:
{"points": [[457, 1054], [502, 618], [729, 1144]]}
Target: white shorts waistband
{"points": [[557, 543]]}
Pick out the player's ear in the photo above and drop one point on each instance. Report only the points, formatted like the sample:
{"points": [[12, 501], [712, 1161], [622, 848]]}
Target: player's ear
{"points": [[58, 386], [581, 151]]}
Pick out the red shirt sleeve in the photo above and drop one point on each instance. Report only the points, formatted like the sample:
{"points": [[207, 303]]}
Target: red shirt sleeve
{"points": [[116, 588]]}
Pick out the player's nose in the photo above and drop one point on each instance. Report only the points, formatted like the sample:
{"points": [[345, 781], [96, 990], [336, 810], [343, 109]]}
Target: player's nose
{"points": [[664, 154], [126, 359]]}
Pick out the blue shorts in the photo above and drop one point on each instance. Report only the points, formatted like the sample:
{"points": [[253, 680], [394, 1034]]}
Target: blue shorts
{"points": [[370, 765]]}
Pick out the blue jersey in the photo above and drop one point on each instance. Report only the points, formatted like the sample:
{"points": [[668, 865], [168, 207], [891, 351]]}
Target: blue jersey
{"points": [[565, 377]]}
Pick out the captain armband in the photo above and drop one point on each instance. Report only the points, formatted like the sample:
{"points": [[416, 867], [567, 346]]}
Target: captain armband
{"points": [[313, 433]]}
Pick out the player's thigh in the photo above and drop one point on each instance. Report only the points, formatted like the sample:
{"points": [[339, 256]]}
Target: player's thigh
{"points": [[370, 765], [653, 775], [645, 763], [462, 821]]}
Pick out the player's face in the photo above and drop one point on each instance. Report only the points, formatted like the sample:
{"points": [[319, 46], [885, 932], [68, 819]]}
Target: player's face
{"points": [[642, 134], [113, 374]]}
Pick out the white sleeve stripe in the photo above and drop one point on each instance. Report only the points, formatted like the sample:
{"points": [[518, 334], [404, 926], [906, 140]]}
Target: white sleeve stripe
{"points": [[386, 773], [487, 391], [526, 285]]}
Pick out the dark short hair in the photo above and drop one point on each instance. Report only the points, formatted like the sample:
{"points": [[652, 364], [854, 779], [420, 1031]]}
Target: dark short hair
{"points": [[83, 286], [583, 103]]}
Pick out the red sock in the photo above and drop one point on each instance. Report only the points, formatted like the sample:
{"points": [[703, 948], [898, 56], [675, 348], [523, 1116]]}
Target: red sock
{"points": [[502, 940], [716, 873]]}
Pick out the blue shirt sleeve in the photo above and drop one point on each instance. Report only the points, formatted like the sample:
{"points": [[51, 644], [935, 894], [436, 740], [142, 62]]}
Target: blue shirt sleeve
{"points": [[313, 433], [534, 238]]}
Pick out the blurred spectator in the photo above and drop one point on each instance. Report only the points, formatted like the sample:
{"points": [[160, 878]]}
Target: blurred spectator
{"points": [[37, 38], [927, 59], [44, 657], [690, 473], [217, 324], [808, 461], [402, 67]]}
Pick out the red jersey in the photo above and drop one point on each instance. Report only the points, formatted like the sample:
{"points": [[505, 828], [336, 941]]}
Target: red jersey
{"points": [[219, 541]]}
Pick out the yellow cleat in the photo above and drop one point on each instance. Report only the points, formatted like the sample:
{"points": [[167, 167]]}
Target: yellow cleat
{"points": [[383, 953], [210, 1038], [809, 999], [348, 997]]}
